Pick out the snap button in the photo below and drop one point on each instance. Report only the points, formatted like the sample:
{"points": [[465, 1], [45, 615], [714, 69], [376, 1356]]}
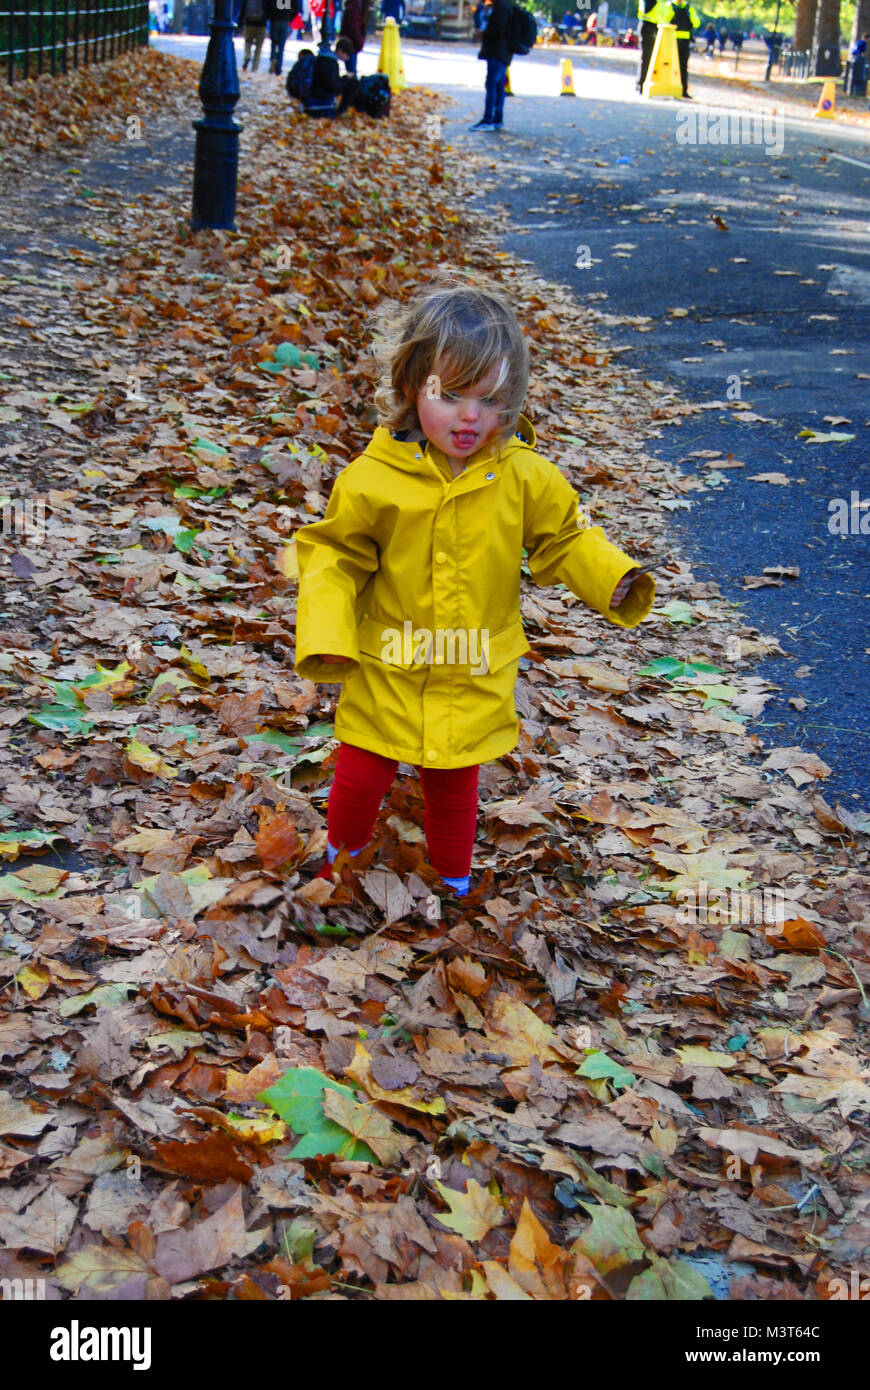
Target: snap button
{"points": [[431, 754], [489, 477], [418, 456], [440, 557]]}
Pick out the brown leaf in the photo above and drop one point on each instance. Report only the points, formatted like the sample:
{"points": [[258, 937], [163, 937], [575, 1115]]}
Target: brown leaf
{"points": [[279, 842]]}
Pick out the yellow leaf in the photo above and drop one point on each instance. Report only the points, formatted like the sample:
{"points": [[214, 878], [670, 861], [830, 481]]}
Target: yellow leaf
{"points": [[41, 878], [195, 667], [261, 1131], [141, 841], [473, 1213], [142, 756], [692, 1057], [34, 980], [286, 561], [502, 1284], [107, 677], [534, 1261], [360, 1072], [366, 1124], [516, 1029]]}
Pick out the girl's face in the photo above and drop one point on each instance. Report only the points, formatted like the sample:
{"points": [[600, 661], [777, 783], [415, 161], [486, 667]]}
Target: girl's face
{"points": [[460, 422]]}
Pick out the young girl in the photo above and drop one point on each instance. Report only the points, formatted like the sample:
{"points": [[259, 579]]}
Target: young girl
{"points": [[409, 589]]}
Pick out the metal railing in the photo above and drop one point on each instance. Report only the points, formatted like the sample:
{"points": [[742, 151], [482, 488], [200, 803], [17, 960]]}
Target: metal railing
{"points": [[795, 62], [39, 36]]}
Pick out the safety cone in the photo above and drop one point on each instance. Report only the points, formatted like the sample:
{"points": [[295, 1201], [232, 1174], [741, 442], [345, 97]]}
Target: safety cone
{"points": [[567, 78], [390, 60], [825, 107], [508, 89], [663, 77]]}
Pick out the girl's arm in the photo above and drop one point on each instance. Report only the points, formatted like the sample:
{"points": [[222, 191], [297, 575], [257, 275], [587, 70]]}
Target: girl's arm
{"points": [[336, 557], [563, 548]]}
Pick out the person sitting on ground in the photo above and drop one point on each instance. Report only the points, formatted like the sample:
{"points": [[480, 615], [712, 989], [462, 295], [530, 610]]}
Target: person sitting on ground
{"points": [[315, 79]]}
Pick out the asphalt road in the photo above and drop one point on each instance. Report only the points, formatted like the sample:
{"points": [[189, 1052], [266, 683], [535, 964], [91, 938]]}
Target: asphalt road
{"points": [[775, 308]]}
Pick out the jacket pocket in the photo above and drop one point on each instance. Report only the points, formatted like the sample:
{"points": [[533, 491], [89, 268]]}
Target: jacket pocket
{"points": [[480, 650], [508, 644], [385, 642]]}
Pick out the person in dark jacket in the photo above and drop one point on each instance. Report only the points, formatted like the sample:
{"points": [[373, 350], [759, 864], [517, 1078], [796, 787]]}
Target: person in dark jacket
{"points": [[279, 14], [496, 50], [648, 33], [327, 82], [353, 27]]}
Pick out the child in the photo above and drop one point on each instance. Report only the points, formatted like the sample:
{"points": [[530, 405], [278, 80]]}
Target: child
{"points": [[409, 589]]}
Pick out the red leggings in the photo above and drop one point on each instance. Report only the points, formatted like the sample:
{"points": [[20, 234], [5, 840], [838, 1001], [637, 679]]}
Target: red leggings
{"points": [[362, 780]]}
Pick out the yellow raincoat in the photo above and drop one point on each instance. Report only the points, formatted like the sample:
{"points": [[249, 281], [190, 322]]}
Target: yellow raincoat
{"points": [[415, 575]]}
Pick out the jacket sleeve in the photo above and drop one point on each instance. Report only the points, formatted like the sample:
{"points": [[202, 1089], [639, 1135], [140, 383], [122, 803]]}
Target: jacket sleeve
{"points": [[336, 557], [563, 548]]}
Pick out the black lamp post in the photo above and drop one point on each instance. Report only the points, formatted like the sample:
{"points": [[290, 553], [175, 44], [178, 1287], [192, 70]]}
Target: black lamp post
{"points": [[216, 159]]}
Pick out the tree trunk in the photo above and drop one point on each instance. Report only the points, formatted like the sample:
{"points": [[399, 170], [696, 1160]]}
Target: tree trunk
{"points": [[804, 24], [827, 33], [862, 21]]}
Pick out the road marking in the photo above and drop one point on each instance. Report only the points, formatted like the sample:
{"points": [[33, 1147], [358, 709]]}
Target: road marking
{"points": [[862, 163]]}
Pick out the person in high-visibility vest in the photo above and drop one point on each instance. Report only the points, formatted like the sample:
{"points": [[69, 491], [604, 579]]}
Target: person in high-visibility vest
{"points": [[685, 19]]}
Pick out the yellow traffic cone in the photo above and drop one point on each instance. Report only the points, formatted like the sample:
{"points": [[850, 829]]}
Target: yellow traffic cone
{"points": [[825, 107], [390, 60], [508, 90], [663, 77], [567, 78]]}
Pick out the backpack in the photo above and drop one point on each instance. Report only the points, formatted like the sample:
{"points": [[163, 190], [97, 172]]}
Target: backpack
{"points": [[681, 18], [300, 78], [373, 96], [522, 30]]}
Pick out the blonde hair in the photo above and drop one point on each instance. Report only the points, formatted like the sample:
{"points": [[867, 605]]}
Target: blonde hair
{"points": [[466, 331]]}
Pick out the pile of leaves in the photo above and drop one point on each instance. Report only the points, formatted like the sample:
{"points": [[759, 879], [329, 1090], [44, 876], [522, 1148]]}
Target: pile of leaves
{"points": [[225, 1077]]}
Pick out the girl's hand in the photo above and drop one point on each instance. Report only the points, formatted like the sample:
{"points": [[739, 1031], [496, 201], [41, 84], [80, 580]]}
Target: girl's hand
{"points": [[620, 593], [335, 660]]}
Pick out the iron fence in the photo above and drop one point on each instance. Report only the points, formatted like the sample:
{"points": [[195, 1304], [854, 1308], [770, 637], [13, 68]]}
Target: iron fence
{"points": [[794, 62], [39, 36]]}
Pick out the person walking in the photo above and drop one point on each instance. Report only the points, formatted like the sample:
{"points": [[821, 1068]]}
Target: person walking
{"points": [[648, 31], [393, 9], [684, 19], [409, 587], [496, 52], [252, 20], [278, 14], [353, 27], [316, 12]]}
